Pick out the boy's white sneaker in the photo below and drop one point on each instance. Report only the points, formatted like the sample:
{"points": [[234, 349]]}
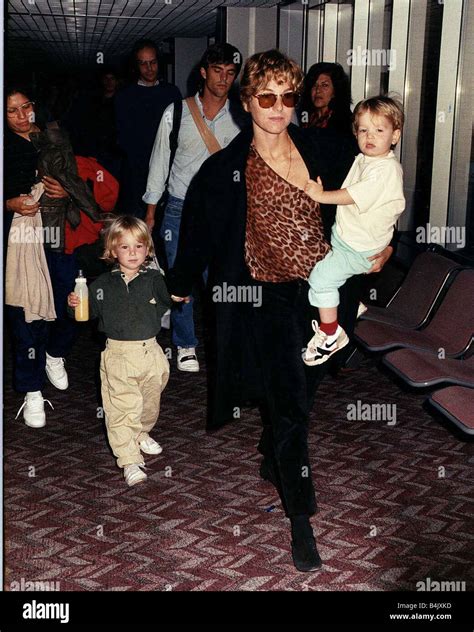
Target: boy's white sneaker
{"points": [[134, 474], [150, 446], [33, 409], [56, 372], [321, 346], [187, 359]]}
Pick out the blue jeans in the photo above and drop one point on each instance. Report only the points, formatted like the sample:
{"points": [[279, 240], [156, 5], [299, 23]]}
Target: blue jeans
{"points": [[63, 331], [182, 321], [29, 350], [31, 341]]}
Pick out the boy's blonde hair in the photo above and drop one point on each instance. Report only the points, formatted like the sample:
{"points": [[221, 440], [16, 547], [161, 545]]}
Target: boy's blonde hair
{"points": [[272, 65], [126, 223], [380, 106]]}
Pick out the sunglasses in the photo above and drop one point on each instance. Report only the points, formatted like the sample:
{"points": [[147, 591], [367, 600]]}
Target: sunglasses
{"points": [[268, 100]]}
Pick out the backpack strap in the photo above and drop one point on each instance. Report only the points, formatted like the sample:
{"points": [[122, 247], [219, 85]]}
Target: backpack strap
{"points": [[207, 136], [177, 114]]}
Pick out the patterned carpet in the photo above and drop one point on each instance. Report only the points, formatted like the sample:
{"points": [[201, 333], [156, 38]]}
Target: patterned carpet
{"points": [[395, 500]]}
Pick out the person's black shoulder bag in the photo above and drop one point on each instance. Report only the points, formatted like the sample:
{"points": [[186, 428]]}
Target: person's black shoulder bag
{"points": [[162, 202]]}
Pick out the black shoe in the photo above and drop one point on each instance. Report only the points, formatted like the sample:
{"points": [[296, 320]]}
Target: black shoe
{"points": [[305, 555], [267, 473]]}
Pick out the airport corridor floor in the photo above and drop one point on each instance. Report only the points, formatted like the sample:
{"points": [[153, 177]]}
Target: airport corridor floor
{"points": [[394, 494]]}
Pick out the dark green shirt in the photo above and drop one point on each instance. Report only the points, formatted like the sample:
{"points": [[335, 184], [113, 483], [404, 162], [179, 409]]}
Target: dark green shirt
{"points": [[130, 311]]}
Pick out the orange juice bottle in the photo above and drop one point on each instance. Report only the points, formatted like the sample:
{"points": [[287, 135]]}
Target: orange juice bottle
{"points": [[82, 310]]}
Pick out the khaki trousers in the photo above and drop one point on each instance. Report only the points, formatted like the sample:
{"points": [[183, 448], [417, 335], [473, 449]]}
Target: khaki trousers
{"points": [[133, 374]]}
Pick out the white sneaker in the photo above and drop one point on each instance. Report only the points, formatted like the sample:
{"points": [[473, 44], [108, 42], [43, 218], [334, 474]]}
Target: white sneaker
{"points": [[187, 359], [56, 372], [33, 412], [134, 474], [361, 310], [150, 446], [321, 346]]}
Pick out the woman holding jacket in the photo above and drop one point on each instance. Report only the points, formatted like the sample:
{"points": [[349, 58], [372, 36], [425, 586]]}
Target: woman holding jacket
{"points": [[247, 217], [38, 272]]}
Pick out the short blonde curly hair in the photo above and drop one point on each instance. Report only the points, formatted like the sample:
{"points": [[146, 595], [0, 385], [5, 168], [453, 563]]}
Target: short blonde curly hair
{"points": [[271, 65], [381, 105], [120, 225]]}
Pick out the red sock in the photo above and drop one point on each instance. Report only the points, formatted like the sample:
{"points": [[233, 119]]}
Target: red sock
{"points": [[329, 328]]}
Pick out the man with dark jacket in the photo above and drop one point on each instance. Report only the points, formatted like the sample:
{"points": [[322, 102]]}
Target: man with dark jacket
{"points": [[139, 108]]}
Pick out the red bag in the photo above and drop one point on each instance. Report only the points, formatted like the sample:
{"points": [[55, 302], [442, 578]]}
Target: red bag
{"points": [[105, 190]]}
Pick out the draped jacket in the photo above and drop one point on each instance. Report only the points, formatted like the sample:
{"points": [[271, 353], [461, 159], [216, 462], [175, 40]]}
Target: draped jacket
{"points": [[56, 159], [213, 234]]}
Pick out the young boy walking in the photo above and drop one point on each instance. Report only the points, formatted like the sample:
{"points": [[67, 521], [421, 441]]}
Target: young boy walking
{"points": [[129, 302]]}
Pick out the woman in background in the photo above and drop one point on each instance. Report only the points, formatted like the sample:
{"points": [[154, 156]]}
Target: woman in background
{"points": [[326, 98], [39, 274], [31, 333]]}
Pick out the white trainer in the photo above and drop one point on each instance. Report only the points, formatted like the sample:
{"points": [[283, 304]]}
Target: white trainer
{"points": [[56, 372], [134, 474], [321, 346], [33, 409], [187, 359], [150, 446]]}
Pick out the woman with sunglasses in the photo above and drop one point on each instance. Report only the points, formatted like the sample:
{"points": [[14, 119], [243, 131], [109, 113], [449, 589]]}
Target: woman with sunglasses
{"points": [[247, 215]]}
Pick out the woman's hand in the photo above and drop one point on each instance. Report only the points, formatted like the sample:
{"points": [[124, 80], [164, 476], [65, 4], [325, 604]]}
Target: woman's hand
{"points": [[180, 299], [73, 300], [53, 188], [380, 259], [23, 205], [314, 189]]}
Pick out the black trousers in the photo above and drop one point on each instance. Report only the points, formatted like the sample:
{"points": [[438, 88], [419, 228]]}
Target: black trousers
{"points": [[279, 329]]}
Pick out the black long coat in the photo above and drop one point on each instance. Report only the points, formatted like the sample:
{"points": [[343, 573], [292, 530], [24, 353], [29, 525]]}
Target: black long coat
{"points": [[213, 233]]}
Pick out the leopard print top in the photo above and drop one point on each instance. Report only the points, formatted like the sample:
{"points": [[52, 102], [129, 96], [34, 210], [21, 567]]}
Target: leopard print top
{"points": [[284, 231]]}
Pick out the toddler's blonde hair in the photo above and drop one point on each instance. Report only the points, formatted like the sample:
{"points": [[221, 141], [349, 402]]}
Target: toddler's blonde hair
{"points": [[380, 106], [126, 223]]}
